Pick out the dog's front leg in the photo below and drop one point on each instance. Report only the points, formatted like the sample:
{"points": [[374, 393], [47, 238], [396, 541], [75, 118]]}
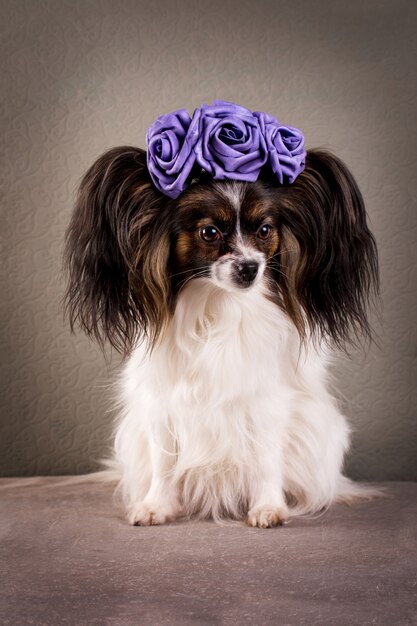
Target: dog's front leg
{"points": [[268, 507], [161, 503]]}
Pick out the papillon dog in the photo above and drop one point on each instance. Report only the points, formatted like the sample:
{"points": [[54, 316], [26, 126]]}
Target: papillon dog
{"points": [[225, 301]]}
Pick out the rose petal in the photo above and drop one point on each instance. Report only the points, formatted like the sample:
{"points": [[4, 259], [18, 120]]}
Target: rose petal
{"points": [[230, 144], [171, 157]]}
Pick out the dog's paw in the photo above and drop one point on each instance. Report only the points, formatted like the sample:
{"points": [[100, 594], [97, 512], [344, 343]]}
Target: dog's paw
{"points": [[152, 513], [267, 516]]}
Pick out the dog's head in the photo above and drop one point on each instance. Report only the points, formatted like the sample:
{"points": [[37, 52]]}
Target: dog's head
{"points": [[131, 250]]}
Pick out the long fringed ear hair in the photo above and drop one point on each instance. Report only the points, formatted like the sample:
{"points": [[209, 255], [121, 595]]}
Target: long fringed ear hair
{"points": [[327, 261], [117, 251]]}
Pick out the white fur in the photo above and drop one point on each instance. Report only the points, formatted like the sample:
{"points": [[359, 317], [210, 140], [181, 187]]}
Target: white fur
{"points": [[229, 416]]}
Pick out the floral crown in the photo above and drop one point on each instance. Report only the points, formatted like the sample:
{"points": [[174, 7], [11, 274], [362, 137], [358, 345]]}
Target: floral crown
{"points": [[226, 140]]}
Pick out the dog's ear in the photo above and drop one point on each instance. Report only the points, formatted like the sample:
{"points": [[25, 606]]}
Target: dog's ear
{"points": [[117, 252], [328, 265]]}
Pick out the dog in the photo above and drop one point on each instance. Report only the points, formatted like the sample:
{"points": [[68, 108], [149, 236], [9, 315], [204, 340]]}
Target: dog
{"points": [[225, 290]]}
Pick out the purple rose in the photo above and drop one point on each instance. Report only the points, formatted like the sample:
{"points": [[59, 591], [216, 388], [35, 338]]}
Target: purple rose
{"points": [[285, 145], [230, 143], [171, 140]]}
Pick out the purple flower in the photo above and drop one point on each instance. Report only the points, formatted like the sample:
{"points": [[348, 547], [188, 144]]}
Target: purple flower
{"points": [[230, 143], [171, 140], [285, 145], [225, 139]]}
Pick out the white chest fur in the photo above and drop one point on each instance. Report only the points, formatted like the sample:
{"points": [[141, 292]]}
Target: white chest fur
{"points": [[226, 396]]}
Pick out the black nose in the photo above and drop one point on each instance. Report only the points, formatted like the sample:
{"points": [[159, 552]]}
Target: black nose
{"points": [[247, 271]]}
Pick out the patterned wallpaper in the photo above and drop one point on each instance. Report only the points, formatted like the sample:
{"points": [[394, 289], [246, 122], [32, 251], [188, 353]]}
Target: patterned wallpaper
{"points": [[81, 76]]}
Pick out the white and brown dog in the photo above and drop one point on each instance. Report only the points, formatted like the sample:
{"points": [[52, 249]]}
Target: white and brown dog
{"points": [[224, 301]]}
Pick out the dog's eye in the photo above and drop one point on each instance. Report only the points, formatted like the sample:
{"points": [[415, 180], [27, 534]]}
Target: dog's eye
{"points": [[210, 234], [264, 231]]}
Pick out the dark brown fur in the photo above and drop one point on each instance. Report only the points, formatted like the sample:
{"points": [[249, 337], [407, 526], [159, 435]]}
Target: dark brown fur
{"points": [[117, 251], [328, 262]]}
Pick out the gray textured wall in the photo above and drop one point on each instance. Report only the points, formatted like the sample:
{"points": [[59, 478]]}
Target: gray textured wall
{"points": [[79, 77]]}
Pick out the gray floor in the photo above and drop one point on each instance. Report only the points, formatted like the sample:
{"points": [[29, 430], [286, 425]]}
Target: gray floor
{"points": [[68, 557]]}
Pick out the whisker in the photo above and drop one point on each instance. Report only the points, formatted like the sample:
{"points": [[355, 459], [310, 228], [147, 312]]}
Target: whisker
{"points": [[202, 267], [279, 272], [187, 280], [284, 251], [278, 268]]}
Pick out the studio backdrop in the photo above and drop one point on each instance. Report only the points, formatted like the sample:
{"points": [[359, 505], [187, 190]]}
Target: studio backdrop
{"points": [[79, 77]]}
